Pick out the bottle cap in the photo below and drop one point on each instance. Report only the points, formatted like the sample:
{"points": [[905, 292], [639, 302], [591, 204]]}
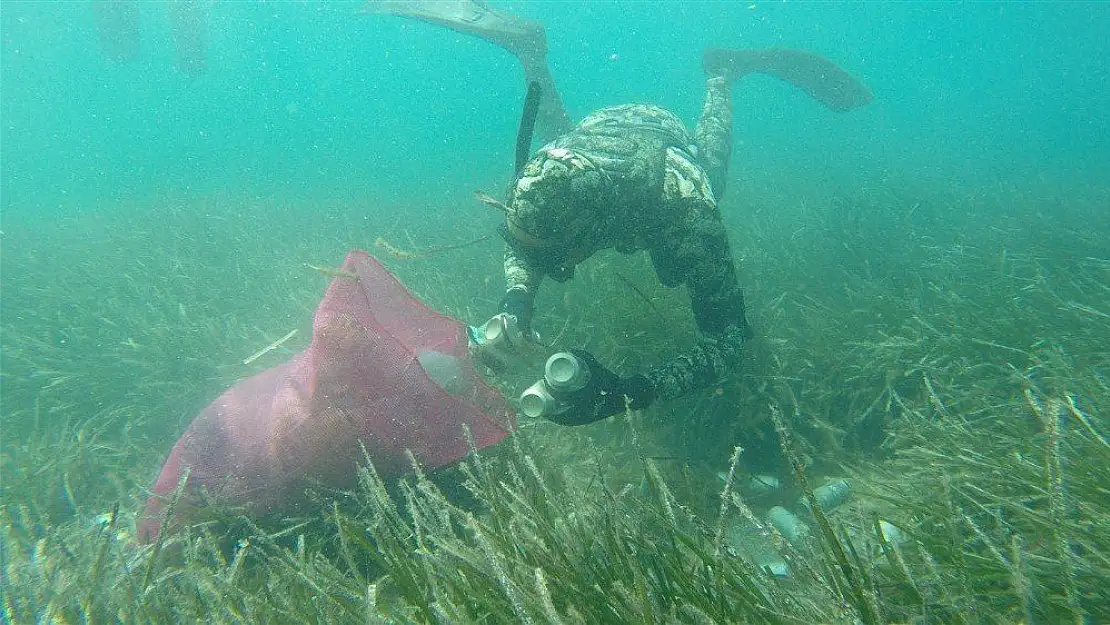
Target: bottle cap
{"points": [[564, 373], [498, 330], [536, 401]]}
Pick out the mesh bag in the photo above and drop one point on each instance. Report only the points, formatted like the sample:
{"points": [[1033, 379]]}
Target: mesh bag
{"points": [[383, 369]]}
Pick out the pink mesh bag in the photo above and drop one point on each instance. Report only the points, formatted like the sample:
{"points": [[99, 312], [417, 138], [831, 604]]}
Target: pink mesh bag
{"points": [[383, 369]]}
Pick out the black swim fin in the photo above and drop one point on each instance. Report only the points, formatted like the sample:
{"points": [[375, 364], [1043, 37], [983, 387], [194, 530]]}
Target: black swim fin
{"points": [[822, 79]]}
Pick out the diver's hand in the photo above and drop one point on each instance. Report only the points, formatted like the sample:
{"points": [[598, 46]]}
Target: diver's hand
{"points": [[501, 345], [503, 333], [605, 395], [519, 302]]}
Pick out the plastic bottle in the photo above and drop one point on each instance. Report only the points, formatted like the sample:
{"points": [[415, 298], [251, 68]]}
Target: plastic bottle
{"points": [[828, 496], [791, 527], [537, 401], [563, 373], [762, 484], [445, 370]]}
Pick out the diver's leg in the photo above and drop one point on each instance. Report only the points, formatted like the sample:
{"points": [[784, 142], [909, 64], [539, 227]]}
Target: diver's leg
{"points": [[822, 79], [524, 38], [713, 134]]}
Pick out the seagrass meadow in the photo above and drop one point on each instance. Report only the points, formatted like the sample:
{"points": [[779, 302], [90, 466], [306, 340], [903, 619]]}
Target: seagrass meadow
{"points": [[952, 364], [919, 433]]}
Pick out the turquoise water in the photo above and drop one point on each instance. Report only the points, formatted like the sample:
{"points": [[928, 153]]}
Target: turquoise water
{"points": [[310, 97]]}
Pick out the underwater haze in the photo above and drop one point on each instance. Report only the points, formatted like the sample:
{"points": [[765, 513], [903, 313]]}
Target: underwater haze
{"points": [[311, 97], [928, 277]]}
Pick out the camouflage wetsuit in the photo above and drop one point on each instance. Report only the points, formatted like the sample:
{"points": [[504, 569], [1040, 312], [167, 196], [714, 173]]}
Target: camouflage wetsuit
{"points": [[632, 178]]}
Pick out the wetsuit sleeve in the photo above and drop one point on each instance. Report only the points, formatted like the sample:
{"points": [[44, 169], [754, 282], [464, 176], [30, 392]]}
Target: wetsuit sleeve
{"points": [[710, 360], [694, 250], [520, 273], [522, 279]]}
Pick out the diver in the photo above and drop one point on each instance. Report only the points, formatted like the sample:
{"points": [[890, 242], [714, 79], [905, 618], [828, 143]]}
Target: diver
{"points": [[631, 177]]}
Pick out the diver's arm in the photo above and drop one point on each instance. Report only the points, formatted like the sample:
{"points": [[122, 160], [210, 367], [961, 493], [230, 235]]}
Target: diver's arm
{"points": [[711, 359], [522, 280], [714, 357], [696, 252]]}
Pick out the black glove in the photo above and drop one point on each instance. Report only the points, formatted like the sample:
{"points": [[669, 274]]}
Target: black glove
{"points": [[518, 303], [604, 395]]}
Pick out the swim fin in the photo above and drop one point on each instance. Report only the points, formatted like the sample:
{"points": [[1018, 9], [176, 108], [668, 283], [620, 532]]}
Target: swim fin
{"points": [[822, 79], [525, 39]]}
